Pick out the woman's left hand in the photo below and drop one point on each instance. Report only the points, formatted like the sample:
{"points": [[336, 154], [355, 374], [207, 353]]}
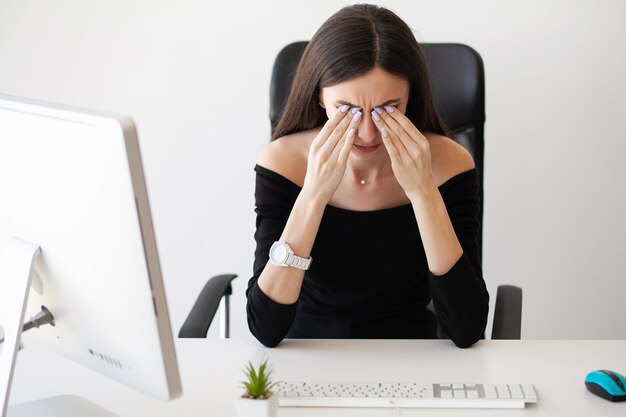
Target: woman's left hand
{"points": [[408, 149]]}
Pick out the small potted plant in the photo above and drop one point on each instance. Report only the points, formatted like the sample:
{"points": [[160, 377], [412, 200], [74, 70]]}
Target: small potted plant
{"points": [[258, 399]]}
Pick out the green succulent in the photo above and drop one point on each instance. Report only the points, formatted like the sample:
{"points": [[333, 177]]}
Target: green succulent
{"points": [[258, 384]]}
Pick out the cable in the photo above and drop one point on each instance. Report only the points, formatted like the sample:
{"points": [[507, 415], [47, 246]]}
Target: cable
{"points": [[398, 410], [44, 316]]}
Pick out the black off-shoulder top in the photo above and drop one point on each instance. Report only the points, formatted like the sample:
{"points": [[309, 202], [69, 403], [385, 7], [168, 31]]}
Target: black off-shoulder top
{"points": [[369, 277]]}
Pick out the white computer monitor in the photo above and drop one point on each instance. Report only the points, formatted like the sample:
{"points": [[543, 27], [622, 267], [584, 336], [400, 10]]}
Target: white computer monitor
{"points": [[72, 183]]}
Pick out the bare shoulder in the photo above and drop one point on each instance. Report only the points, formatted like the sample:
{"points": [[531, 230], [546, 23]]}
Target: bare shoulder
{"points": [[288, 155], [448, 158]]}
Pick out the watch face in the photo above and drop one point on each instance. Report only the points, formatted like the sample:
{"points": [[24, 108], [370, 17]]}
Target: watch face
{"points": [[279, 253]]}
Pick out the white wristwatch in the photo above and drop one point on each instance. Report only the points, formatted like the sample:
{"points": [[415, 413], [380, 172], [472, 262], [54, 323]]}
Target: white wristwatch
{"points": [[282, 255]]}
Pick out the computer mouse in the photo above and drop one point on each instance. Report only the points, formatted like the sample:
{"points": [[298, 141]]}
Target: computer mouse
{"points": [[607, 384]]}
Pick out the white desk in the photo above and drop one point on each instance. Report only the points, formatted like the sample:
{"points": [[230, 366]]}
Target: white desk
{"points": [[211, 374]]}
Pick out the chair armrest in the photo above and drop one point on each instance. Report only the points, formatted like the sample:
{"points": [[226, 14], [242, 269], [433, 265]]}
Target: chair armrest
{"points": [[201, 315], [507, 319]]}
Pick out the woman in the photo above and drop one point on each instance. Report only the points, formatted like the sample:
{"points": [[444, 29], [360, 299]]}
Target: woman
{"points": [[365, 208]]}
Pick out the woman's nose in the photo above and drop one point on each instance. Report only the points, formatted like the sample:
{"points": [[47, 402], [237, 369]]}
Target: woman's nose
{"points": [[366, 130]]}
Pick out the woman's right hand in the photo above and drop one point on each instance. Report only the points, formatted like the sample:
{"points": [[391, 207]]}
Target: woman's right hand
{"points": [[328, 154]]}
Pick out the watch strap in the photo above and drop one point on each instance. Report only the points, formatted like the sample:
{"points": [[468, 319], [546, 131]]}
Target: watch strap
{"points": [[298, 262]]}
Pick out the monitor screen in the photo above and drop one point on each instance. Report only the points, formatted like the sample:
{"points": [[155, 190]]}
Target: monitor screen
{"points": [[72, 183]]}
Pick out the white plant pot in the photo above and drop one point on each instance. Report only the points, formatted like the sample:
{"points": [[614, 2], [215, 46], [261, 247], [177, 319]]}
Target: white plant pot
{"points": [[248, 407]]}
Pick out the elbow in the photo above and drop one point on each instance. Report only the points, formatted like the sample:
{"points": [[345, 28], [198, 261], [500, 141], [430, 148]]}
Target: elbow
{"points": [[264, 334], [269, 341], [470, 332], [465, 342], [268, 321], [462, 336]]}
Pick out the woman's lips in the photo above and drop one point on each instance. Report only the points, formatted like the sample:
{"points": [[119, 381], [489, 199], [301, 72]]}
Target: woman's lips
{"points": [[367, 149]]}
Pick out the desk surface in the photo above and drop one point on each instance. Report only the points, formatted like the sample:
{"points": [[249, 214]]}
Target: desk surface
{"points": [[211, 371]]}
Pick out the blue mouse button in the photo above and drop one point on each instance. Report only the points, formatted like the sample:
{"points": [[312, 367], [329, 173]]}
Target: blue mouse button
{"points": [[607, 384]]}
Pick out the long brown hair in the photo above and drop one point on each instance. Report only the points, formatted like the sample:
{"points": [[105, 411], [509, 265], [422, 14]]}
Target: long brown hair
{"points": [[350, 43]]}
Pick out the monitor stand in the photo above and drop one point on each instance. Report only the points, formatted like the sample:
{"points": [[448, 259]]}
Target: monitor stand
{"points": [[17, 267], [59, 406]]}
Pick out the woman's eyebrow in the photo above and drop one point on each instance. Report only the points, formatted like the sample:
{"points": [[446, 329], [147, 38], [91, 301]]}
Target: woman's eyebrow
{"points": [[386, 103]]}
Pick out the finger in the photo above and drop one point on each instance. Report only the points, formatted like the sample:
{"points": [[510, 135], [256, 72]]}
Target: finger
{"points": [[341, 131], [330, 125], [346, 148], [391, 135], [412, 145], [405, 122], [324, 143], [392, 149]]}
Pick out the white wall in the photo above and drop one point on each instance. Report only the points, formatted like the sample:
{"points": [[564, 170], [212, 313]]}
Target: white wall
{"points": [[195, 76]]}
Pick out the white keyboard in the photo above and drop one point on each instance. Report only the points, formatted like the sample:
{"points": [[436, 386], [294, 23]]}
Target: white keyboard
{"points": [[405, 395]]}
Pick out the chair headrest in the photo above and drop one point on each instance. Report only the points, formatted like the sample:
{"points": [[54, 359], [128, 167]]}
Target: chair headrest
{"points": [[456, 76]]}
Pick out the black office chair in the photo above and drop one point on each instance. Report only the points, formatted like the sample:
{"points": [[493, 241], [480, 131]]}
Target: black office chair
{"points": [[458, 86], [217, 290], [457, 82]]}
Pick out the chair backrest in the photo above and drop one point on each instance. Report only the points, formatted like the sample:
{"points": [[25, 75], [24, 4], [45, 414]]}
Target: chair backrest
{"points": [[457, 81]]}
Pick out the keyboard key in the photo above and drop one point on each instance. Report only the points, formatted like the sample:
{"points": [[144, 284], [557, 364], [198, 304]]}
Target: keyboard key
{"points": [[503, 391], [446, 393], [529, 392], [459, 393], [490, 391], [516, 391]]}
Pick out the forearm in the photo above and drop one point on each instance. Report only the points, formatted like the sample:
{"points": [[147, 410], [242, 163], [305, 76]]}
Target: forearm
{"points": [[440, 241], [281, 284], [458, 290], [462, 302]]}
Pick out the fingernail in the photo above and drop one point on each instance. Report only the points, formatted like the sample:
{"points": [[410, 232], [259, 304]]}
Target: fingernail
{"points": [[350, 133], [375, 116], [379, 110], [354, 110], [357, 116], [389, 109], [383, 131], [344, 108]]}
